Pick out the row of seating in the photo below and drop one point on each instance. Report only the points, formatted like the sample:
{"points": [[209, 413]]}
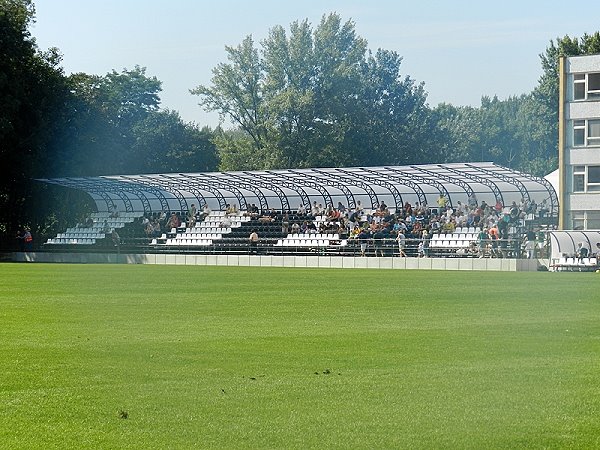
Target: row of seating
{"points": [[215, 224], [471, 230], [449, 245], [71, 241], [189, 242], [313, 236], [455, 236], [452, 240], [197, 236], [574, 264], [188, 236], [310, 242], [81, 235], [218, 216], [206, 230], [79, 230]]}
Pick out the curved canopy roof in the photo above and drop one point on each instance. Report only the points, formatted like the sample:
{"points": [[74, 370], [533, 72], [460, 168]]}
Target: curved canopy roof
{"points": [[287, 189], [565, 242]]}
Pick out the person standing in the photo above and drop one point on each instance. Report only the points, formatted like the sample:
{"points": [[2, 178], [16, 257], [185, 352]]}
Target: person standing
{"points": [[530, 244], [441, 201], [191, 216], [116, 239], [253, 242], [27, 240], [20, 241], [401, 240]]}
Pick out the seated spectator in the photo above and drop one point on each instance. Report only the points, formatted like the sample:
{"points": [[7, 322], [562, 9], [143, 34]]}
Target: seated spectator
{"points": [[225, 223], [205, 212], [266, 217], [149, 229], [333, 214], [295, 228], [173, 222], [252, 211], [582, 251], [156, 228], [232, 209], [315, 210]]}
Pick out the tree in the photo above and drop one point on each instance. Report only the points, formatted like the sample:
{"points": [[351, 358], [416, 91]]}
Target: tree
{"points": [[459, 133], [395, 126], [164, 143], [103, 113], [314, 99], [32, 88], [237, 93]]}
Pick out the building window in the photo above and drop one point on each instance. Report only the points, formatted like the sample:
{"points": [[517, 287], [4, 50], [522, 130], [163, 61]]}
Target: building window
{"points": [[593, 136], [578, 220], [586, 178], [586, 133], [593, 84], [579, 179], [592, 220], [585, 220], [579, 86], [586, 86], [578, 133], [593, 178]]}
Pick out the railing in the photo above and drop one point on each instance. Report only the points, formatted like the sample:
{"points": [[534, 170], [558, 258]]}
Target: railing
{"points": [[497, 248]]}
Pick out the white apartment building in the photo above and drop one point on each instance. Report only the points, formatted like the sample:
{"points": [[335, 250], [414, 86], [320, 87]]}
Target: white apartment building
{"points": [[579, 143]]}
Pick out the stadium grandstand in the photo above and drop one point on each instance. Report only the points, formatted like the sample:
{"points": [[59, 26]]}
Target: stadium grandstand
{"points": [[461, 210]]}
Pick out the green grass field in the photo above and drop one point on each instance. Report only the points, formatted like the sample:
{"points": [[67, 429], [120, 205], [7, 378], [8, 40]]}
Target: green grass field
{"points": [[116, 356]]}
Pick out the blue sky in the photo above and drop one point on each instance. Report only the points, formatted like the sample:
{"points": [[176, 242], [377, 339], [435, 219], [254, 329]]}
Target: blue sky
{"points": [[461, 50]]}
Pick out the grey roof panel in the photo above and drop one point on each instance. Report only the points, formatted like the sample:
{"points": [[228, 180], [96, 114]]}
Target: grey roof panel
{"points": [[287, 189]]}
